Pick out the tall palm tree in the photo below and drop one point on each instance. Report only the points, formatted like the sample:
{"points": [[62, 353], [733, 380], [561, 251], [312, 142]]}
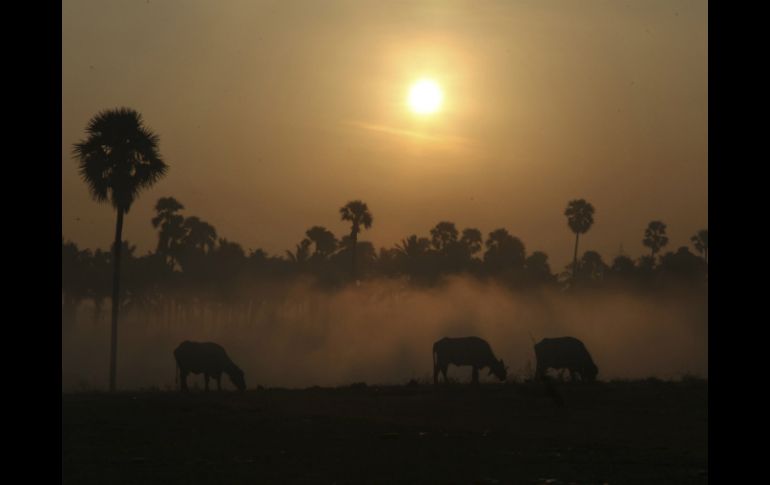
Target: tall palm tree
{"points": [[117, 160], [358, 214], [580, 218], [701, 242], [655, 237]]}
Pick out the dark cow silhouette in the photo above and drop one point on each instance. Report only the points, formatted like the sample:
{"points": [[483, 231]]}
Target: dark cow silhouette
{"points": [[207, 358], [565, 353], [471, 351]]}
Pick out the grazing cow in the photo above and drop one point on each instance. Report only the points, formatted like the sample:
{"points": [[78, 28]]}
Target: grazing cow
{"points": [[207, 358], [565, 353], [471, 351]]}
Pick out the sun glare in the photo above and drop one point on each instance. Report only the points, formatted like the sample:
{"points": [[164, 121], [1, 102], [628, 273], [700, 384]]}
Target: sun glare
{"points": [[425, 97]]}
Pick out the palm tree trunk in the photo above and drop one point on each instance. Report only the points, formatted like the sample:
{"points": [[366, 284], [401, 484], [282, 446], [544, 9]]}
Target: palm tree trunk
{"points": [[574, 259], [355, 247], [115, 301]]}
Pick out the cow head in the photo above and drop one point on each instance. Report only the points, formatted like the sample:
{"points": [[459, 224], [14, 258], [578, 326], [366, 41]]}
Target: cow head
{"points": [[236, 376], [499, 370]]}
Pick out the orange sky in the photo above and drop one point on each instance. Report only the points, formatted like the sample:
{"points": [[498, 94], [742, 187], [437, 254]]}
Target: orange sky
{"points": [[273, 114]]}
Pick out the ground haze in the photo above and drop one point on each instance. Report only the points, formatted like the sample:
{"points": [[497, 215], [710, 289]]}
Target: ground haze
{"points": [[383, 332]]}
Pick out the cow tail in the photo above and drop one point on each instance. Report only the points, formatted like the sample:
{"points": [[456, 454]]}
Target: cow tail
{"points": [[176, 376]]}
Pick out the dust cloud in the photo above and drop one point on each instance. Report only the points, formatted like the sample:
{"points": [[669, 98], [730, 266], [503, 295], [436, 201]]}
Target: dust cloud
{"points": [[381, 332]]}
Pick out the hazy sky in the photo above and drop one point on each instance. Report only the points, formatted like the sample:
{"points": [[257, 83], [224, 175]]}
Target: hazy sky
{"points": [[274, 114]]}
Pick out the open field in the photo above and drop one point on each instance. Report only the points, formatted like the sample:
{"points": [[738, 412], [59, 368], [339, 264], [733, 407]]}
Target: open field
{"points": [[618, 432]]}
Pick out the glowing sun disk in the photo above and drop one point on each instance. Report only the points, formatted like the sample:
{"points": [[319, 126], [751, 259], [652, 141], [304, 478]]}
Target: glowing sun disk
{"points": [[425, 97]]}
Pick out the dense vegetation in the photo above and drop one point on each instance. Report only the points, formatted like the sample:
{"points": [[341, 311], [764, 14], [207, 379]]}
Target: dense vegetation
{"points": [[193, 272]]}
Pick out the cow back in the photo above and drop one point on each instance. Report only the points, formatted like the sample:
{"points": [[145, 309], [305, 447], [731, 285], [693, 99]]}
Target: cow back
{"points": [[202, 357], [464, 351], [562, 352]]}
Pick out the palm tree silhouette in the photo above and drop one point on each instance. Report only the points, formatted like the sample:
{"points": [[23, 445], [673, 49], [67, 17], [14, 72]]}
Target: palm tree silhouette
{"points": [[580, 218], [200, 235], [119, 158], [655, 237], [302, 252], [701, 242], [358, 214], [411, 254], [413, 247], [171, 227]]}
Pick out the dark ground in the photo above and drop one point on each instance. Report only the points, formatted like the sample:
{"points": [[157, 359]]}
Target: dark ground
{"points": [[618, 433]]}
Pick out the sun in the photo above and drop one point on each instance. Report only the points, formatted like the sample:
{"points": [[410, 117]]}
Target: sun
{"points": [[425, 97]]}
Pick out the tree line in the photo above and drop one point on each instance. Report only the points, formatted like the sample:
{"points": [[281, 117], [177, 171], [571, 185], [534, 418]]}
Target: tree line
{"points": [[191, 263]]}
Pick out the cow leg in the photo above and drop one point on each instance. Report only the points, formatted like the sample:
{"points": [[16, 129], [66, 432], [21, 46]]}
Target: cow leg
{"points": [[206, 381], [443, 371], [219, 382], [475, 375], [435, 374], [183, 380]]}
